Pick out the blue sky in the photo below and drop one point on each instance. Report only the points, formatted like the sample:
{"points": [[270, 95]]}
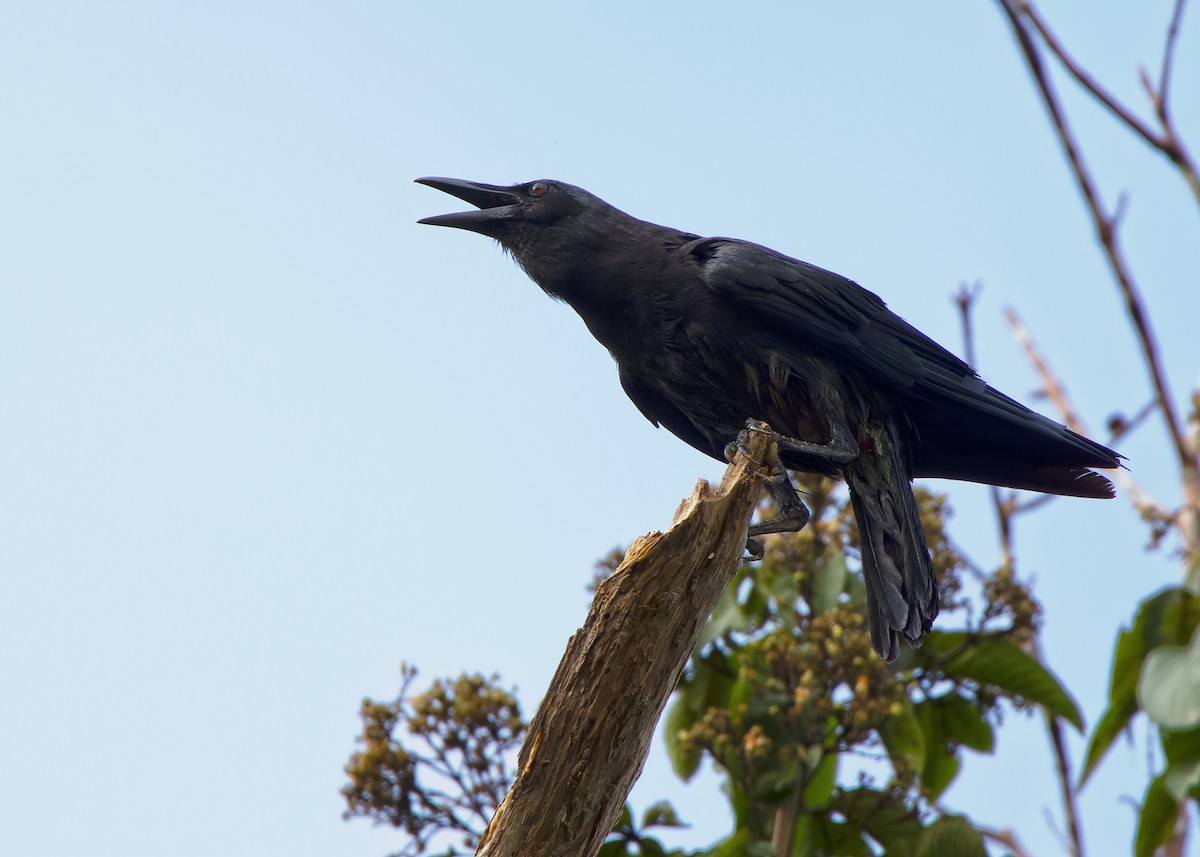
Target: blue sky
{"points": [[265, 437]]}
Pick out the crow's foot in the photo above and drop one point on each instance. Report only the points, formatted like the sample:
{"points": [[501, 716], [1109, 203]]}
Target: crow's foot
{"points": [[793, 514]]}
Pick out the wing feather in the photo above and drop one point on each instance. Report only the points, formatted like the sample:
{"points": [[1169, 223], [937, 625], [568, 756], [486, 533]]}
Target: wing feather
{"points": [[954, 412]]}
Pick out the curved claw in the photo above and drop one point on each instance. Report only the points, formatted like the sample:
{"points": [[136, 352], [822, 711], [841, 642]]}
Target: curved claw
{"points": [[754, 550]]}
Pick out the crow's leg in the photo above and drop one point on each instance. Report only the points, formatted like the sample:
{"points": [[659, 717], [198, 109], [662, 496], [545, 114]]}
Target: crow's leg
{"points": [[793, 514], [837, 451], [792, 517]]}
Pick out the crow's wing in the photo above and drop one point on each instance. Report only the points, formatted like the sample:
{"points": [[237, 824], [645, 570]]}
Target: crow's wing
{"points": [[661, 411], [957, 415]]}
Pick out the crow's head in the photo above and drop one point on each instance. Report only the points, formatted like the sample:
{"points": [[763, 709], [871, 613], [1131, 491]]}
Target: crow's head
{"points": [[550, 227], [511, 214]]}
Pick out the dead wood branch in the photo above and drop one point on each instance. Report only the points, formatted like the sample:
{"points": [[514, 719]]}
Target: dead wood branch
{"points": [[590, 736]]}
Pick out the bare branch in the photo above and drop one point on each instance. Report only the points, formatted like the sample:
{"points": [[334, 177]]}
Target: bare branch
{"points": [[1054, 389], [1119, 426], [1017, 11], [1167, 142], [1034, 503], [1164, 77], [1007, 838], [1057, 393], [1063, 765], [1086, 80]]}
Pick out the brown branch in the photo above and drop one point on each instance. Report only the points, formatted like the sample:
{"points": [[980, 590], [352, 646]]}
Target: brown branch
{"points": [[1057, 393], [1120, 426], [589, 739], [1063, 766], [784, 833], [1164, 77], [1053, 388], [1007, 838], [1018, 11], [1178, 152], [1086, 80], [1167, 142]]}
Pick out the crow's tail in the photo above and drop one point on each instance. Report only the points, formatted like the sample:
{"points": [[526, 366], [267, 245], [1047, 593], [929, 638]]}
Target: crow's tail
{"points": [[902, 594]]}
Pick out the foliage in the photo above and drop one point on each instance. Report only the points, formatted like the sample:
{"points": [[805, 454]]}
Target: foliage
{"points": [[452, 774], [783, 694], [786, 697]]}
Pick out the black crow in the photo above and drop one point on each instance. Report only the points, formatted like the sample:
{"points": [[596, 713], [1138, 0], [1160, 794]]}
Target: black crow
{"points": [[710, 333]]}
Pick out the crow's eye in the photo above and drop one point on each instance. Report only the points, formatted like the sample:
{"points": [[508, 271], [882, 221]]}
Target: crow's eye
{"points": [[538, 189]]}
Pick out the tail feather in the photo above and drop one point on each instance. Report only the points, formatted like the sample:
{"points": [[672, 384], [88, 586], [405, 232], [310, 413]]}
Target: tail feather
{"points": [[902, 595]]}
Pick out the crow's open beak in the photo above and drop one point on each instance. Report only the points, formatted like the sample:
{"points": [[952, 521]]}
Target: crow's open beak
{"points": [[496, 205]]}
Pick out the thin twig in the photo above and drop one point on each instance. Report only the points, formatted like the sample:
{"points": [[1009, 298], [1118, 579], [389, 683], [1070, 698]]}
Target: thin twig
{"points": [[1162, 107], [1004, 504], [1125, 426], [1086, 80], [1167, 141], [1164, 77], [1034, 503], [1105, 231], [1063, 765], [1053, 388], [1007, 838], [1057, 393]]}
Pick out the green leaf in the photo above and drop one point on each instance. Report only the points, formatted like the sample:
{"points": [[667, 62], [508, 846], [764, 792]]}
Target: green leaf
{"points": [[995, 661], [743, 808], [661, 814], [1181, 779], [962, 721], [1168, 689], [650, 847], [685, 761], [613, 848], [856, 589], [778, 783], [828, 584], [881, 814], [741, 695], [941, 763], [718, 671], [941, 767], [765, 709], [822, 783], [1166, 618], [946, 722], [1111, 724], [1156, 822], [727, 615], [904, 739], [781, 583], [819, 835], [755, 605], [951, 836], [709, 686], [1183, 746], [737, 845]]}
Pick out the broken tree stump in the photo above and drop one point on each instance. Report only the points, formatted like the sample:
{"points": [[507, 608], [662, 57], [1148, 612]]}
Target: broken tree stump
{"points": [[589, 739]]}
